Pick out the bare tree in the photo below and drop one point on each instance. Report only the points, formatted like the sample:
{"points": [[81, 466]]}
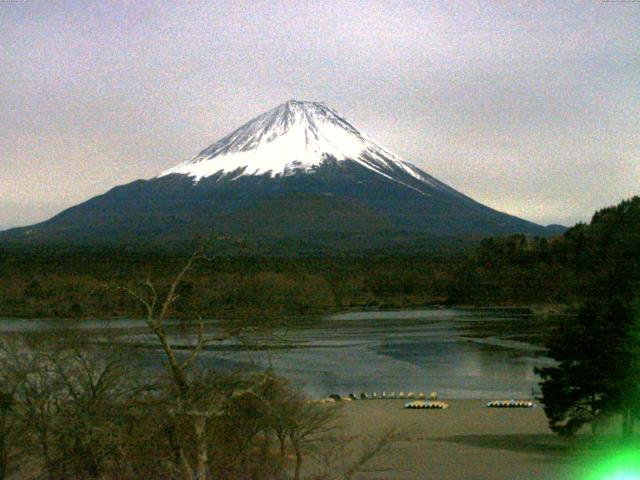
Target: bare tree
{"points": [[99, 393], [38, 392], [301, 424], [11, 428], [190, 402], [307, 422], [157, 311], [70, 402]]}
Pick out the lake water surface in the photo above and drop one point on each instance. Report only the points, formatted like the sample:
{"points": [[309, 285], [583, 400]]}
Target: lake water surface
{"points": [[460, 353]]}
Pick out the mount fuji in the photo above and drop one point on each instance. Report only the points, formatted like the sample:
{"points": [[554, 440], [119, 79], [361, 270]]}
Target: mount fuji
{"points": [[298, 173]]}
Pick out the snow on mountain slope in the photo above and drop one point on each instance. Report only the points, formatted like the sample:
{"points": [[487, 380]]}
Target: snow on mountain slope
{"points": [[296, 136]]}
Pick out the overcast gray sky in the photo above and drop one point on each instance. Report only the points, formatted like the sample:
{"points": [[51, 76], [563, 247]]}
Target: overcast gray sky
{"points": [[531, 107]]}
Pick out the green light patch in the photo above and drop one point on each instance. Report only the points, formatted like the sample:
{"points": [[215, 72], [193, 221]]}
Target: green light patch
{"points": [[621, 464]]}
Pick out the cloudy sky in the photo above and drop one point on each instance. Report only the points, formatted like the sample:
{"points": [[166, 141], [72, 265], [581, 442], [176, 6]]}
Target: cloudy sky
{"points": [[530, 107]]}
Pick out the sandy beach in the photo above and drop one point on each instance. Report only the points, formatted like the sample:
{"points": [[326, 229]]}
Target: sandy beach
{"points": [[464, 442]]}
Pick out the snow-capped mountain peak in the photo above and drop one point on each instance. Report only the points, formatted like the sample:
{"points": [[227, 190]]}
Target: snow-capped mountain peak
{"points": [[298, 176], [294, 136]]}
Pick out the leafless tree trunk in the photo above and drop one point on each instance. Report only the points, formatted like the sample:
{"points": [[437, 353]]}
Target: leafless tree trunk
{"points": [[298, 470], [180, 460], [155, 320], [200, 424], [282, 439]]}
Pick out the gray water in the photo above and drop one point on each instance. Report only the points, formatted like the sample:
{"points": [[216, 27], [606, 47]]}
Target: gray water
{"points": [[460, 353]]}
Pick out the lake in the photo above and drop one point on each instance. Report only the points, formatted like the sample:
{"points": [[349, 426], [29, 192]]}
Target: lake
{"points": [[459, 353]]}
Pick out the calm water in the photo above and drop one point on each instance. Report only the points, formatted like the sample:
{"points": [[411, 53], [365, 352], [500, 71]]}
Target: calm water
{"points": [[458, 353]]}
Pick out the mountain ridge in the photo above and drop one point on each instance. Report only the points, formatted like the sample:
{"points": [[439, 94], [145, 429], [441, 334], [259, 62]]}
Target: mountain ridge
{"points": [[297, 170]]}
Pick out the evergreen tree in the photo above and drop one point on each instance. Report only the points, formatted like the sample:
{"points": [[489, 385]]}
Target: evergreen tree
{"points": [[598, 353], [592, 357]]}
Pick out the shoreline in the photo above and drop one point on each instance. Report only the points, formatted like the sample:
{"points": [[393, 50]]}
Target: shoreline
{"points": [[465, 441], [534, 309]]}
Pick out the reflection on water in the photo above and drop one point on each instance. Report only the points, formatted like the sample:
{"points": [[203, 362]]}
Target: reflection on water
{"points": [[458, 353]]}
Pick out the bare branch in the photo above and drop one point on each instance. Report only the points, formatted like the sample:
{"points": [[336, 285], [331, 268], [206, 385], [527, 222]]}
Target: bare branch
{"points": [[171, 296], [370, 451], [142, 300], [154, 294], [198, 348]]}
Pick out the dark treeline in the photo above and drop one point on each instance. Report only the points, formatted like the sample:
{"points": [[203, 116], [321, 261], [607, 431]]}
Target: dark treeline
{"points": [[50, 282], [597, 375], [587, 260], [78, 284]]}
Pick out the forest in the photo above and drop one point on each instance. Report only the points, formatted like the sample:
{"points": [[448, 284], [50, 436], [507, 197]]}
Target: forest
{"points": [[59, 282]]}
